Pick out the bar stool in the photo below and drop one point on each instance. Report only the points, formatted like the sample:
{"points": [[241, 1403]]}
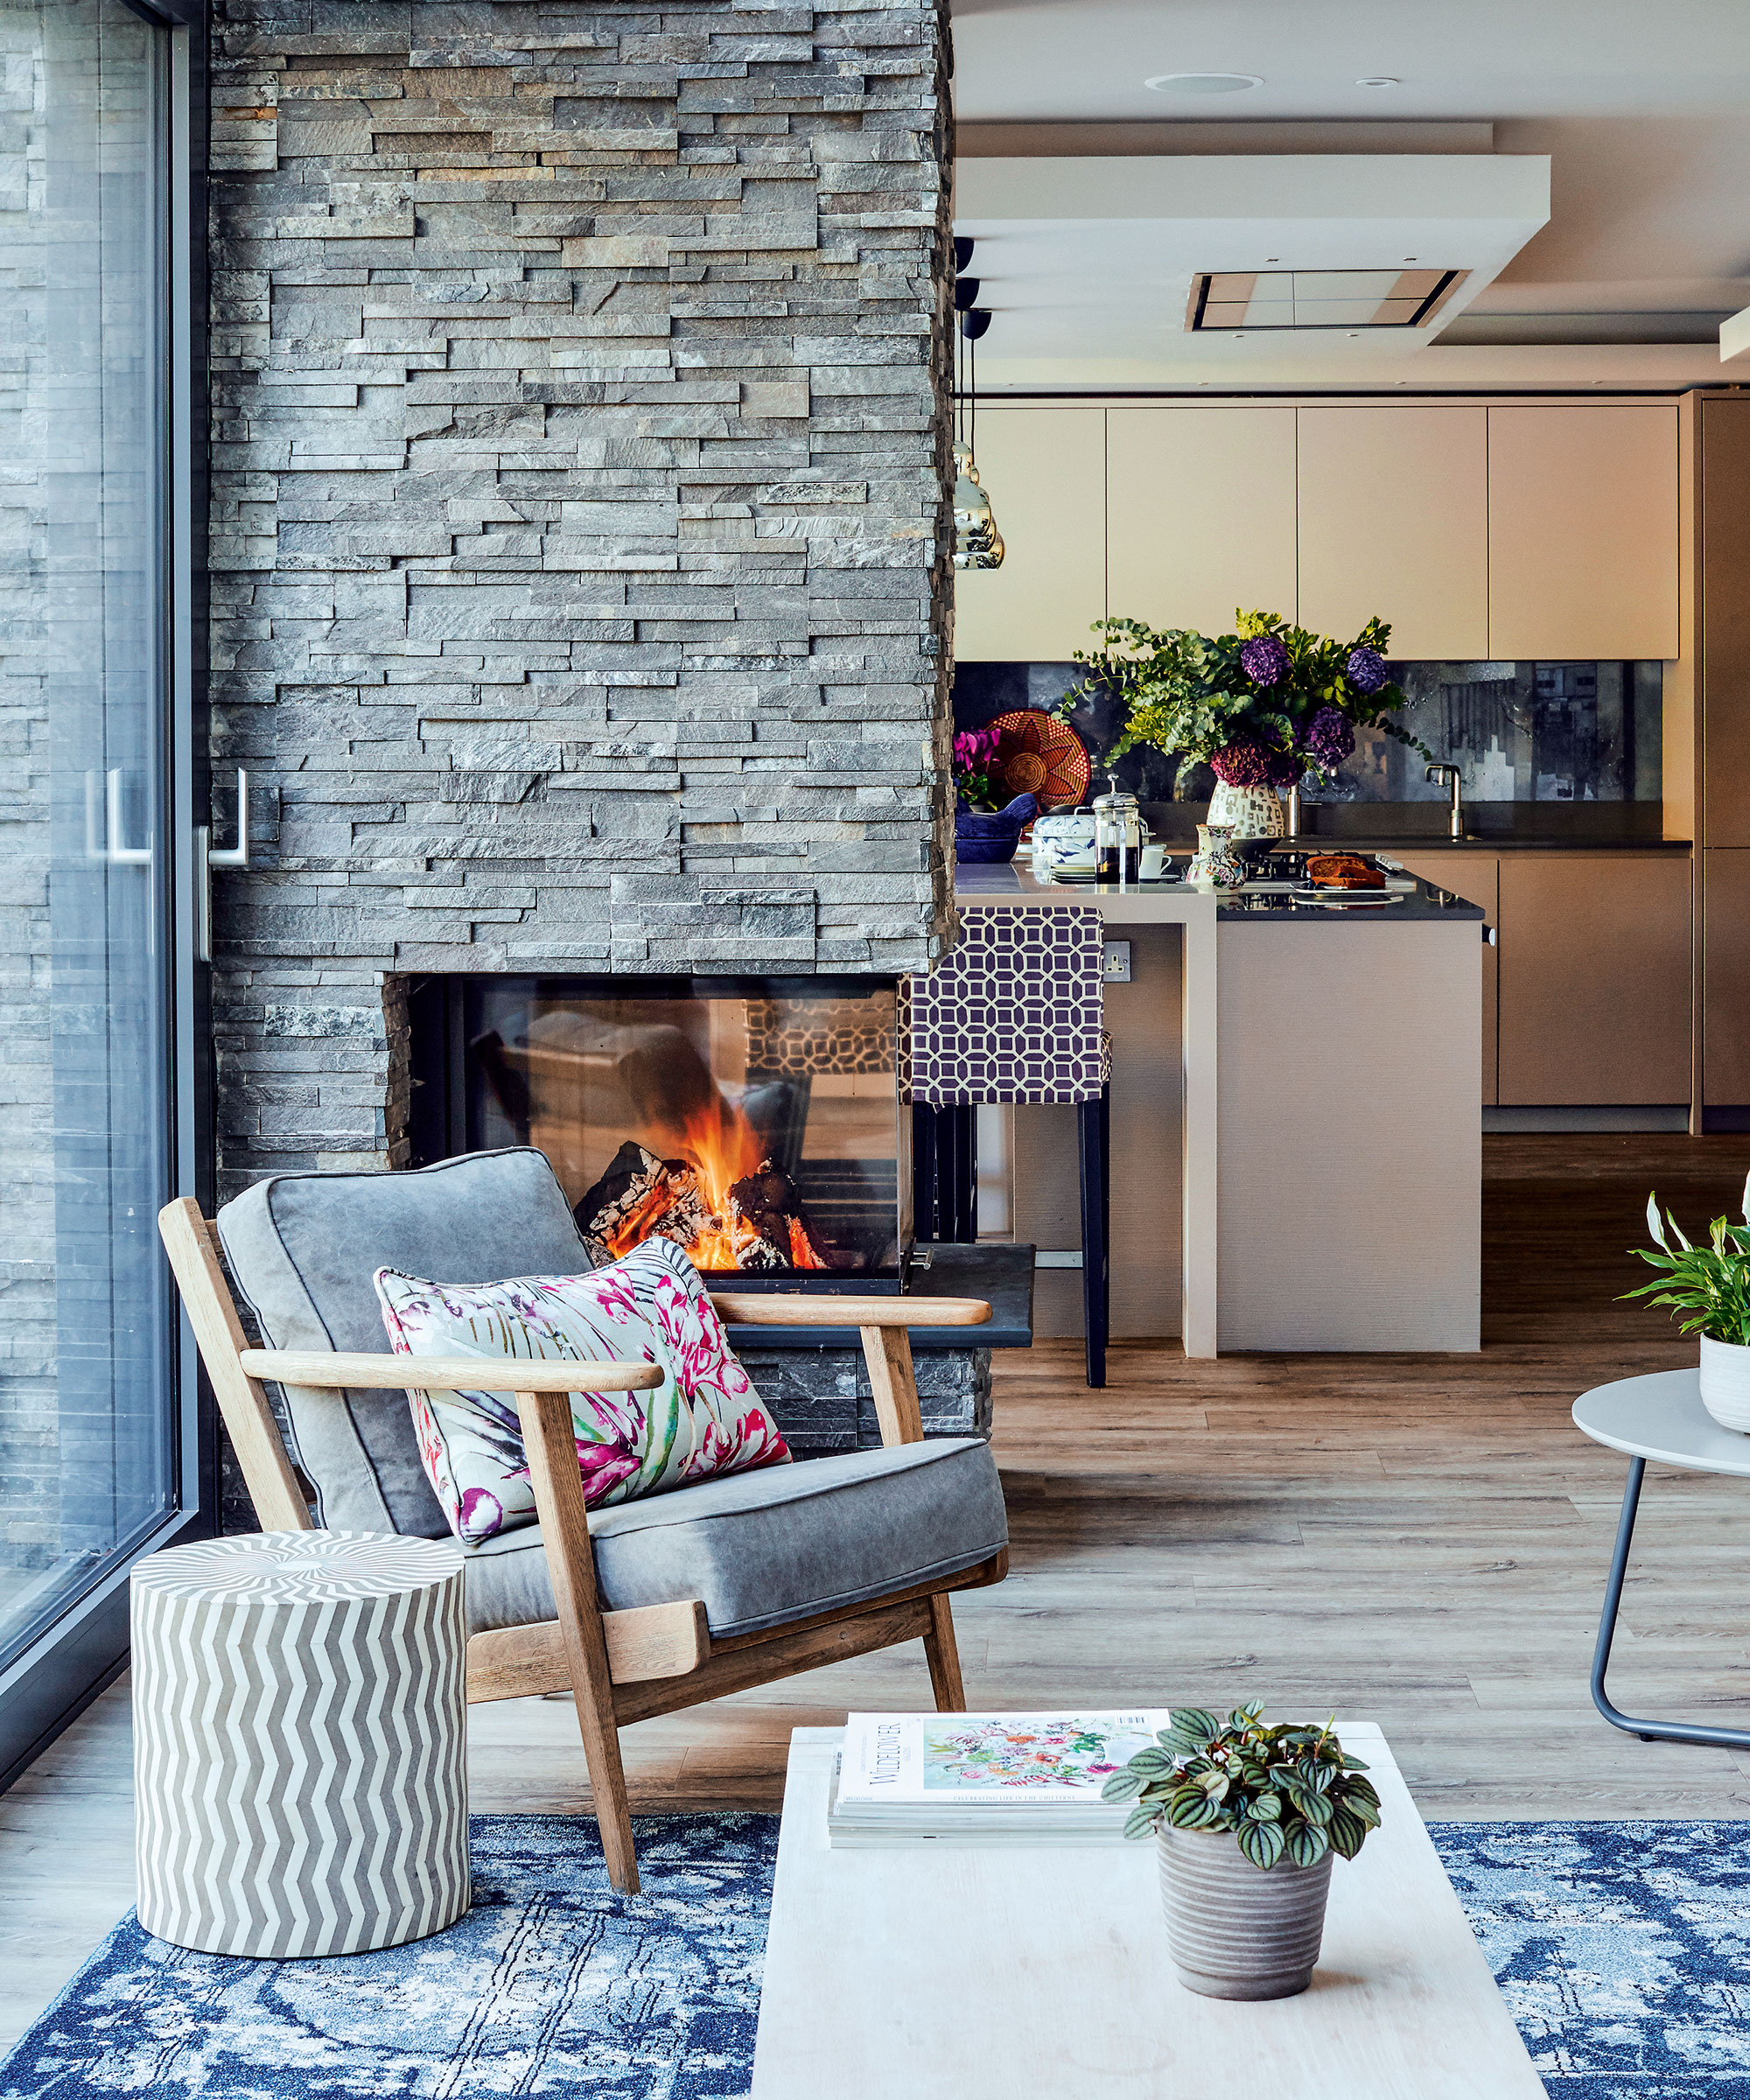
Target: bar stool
{"points": [[1012, 1015]]}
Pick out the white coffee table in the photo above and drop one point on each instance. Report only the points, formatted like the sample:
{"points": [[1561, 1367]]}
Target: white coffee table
{"points": [[932, 1973]]}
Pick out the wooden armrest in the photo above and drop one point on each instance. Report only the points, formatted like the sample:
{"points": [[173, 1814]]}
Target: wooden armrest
{"points": [[333, 1367], [756, 1309]]}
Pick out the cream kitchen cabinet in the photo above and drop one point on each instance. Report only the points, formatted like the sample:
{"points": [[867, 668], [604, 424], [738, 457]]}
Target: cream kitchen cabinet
{"points": [[1393, 507], [1583, 529], [1044, 473], [1200, 514]]}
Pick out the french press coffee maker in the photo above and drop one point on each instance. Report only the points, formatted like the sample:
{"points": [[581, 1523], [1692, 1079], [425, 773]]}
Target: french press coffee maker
{"points": [[1117, 837]]}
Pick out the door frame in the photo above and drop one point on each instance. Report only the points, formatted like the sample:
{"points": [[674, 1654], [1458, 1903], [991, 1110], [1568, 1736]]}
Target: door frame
{"points": [[85, 1647]]}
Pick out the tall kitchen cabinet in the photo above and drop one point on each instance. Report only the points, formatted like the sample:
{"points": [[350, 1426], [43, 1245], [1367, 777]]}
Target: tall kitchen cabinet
{"points": [[1045, 471], [1723, 548], [1393, 507], [1201, 517]]}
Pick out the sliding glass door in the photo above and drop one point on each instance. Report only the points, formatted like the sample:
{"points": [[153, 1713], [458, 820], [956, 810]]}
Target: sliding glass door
{"points": [[90, 1414]]}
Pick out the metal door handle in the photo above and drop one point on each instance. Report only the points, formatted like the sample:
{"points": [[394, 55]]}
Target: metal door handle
{"points": [[208, 856], [237, 855], [120, 856]]}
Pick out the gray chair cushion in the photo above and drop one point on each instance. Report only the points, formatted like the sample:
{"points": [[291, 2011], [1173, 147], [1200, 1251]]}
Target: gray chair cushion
{"points": [[302, 1248], [760, 1549]]}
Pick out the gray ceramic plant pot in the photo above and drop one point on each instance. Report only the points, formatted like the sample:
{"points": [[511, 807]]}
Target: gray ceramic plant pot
{"points": [[1233, 1930]]}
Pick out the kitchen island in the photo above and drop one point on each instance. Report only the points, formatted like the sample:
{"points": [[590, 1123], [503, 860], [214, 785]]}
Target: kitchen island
{"points": [[1321, 1119]]}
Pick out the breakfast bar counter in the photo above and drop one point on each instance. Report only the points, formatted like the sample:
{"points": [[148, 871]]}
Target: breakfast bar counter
{"points": [[1322, 1117]]}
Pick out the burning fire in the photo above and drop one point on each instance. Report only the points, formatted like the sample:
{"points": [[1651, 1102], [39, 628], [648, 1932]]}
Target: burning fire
{"points": [[722, 1148]]}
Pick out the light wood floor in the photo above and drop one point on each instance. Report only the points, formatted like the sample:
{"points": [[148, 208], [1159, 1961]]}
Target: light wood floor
{"points": [[1417, 1541]]}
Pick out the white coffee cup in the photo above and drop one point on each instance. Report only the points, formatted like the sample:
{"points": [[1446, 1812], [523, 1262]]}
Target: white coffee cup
{"points": [[1153, 863]]}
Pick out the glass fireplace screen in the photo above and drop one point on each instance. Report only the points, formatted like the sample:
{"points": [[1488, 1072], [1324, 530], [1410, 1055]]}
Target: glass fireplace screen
{"points": [[755, 1122]]}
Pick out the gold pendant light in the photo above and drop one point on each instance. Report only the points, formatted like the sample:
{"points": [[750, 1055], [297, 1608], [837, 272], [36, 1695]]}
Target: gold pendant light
{"points": [[978, 544]]}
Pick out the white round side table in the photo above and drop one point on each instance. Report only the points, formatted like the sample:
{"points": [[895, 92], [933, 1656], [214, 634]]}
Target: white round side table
{"points": [[300, 1743], [1658, 1416]]}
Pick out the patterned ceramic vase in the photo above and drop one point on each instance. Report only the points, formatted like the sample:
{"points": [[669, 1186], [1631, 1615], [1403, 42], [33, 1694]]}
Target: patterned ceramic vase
{"points": [[1214, 866], [1247, 812], [1233, 1929]]}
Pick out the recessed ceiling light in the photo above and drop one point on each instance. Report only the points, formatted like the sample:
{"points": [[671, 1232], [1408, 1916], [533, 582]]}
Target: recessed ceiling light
{"points": [[1379, 79], [1204, 83]]}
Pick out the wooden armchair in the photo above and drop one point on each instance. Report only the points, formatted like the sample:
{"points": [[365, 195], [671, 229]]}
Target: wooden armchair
{"points": [[620, 1665]]}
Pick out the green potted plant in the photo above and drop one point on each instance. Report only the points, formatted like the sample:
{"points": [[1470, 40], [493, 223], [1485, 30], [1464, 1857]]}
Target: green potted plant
{"points": [[1248, 1819], [1708, 1289], [1264, 706]]}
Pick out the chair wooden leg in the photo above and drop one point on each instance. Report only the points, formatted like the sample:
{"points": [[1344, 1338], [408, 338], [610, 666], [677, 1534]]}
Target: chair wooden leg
{"points": [[552, 1451], [1095, 1282], [943, 1656]]}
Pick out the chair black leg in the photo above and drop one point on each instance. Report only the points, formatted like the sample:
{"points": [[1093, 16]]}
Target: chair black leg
{"points": [[923, 1171], [1096, 1216], [944, 1172], [964, 1118]]}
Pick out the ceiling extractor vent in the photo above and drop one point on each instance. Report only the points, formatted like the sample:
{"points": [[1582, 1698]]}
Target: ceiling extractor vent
{"points": [[1229, 300]]}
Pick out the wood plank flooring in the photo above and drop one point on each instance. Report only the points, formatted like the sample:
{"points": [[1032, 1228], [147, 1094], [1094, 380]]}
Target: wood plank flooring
{"points": [[1419, 1540]]}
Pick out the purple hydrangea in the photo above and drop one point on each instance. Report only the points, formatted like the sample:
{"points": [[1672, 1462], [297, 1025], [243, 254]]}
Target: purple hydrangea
{"points": [[1243, 764], [1285, 767], [1366, 669], [1264, 659], [1329, 737]]}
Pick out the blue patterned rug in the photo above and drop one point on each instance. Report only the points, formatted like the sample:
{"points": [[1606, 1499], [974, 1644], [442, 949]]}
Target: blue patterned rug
{"points": [[551, 1986], [1623, 1950]]}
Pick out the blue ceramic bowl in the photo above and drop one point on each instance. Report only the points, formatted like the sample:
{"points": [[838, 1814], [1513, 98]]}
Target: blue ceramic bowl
{"points": [[991, 837]]}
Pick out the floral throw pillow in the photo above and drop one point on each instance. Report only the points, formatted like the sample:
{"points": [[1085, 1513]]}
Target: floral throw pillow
{"points": [[648, 1307]]}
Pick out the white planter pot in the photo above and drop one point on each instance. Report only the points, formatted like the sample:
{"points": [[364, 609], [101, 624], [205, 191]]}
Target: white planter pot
{"points": [[1725, 1383], [1232, 1929]]}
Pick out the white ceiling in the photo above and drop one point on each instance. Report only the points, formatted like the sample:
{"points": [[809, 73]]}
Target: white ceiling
{"points": [[1642, 106]]}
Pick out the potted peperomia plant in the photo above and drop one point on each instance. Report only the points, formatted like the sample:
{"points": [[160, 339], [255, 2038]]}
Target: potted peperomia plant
{"points": [[1249, 1820], [1708, 1289]]}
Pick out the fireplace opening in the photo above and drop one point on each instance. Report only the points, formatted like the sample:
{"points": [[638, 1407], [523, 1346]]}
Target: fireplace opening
{"points": [[753, 1121]]}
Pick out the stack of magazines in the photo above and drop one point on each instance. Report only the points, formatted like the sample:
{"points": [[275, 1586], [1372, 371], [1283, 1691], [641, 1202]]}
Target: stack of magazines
{"points": [[976, 1779]]}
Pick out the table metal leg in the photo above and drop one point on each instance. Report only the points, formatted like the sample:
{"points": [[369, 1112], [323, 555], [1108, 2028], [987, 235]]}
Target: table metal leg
{"points": [[1668, 1732]]}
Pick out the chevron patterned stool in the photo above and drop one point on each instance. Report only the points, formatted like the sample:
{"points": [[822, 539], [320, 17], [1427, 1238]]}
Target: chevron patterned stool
{"points": [[300, 1743], [1013, 1013]]}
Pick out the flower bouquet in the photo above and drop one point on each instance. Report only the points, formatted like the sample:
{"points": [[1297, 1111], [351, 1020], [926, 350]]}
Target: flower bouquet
{"points": [[1264, 706]]}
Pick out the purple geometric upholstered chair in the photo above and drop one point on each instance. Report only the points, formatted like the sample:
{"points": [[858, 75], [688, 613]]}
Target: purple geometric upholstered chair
{"points": [[1013, 1013]]}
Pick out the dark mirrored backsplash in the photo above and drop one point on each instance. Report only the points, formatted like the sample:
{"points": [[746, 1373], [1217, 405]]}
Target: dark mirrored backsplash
{"points": [[1552, 733]]}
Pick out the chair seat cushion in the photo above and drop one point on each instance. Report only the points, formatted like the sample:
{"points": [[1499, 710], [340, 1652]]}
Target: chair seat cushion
{"points": [[761, 1549], [650, 1306]]}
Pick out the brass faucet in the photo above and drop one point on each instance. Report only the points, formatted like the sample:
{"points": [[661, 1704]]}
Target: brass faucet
{"points": [[1452, 777]]}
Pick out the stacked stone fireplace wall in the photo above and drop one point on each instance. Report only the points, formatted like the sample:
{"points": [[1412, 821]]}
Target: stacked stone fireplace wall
{"points": [[579, 547]]}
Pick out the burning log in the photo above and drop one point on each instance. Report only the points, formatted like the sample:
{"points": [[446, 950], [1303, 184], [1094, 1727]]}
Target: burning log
{"points": [[760, 1225]]}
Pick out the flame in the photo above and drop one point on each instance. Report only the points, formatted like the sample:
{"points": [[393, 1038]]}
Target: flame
{"points": [[721, 1147]]}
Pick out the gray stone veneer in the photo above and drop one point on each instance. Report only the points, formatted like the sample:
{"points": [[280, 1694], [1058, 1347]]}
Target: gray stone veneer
{"points": [[580, 539]]}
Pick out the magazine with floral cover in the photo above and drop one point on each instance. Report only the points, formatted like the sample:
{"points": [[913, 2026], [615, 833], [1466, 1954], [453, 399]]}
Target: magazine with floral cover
{"points": [[922, 1775]]}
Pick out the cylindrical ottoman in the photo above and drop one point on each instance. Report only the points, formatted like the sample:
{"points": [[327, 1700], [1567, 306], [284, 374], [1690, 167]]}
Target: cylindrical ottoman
{"points": [[300, 1743]]}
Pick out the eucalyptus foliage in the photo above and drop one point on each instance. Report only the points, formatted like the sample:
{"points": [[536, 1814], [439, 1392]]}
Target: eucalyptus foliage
{"points": [[1285, 1792], [1708, 1288]]}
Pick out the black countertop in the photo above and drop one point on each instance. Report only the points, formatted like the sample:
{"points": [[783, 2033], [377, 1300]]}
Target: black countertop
{"points": [[997, 1271], [1491, 827], [1400, 907]]}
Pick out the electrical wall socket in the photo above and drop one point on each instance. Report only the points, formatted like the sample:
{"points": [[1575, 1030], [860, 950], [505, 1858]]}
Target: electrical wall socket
{"points": [[1117, 967]]}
